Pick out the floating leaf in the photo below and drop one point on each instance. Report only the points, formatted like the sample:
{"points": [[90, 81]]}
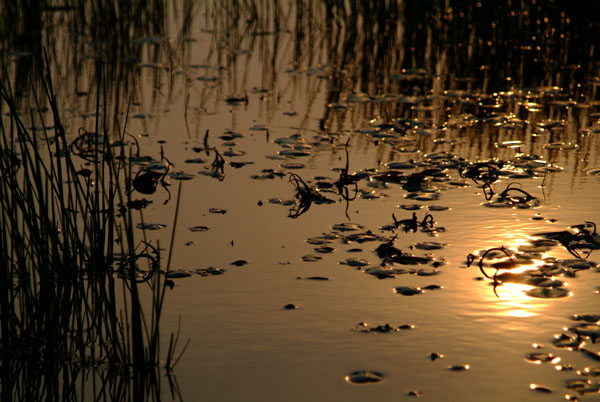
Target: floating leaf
{"points": [[198, 228], [181, 176], [437, 208], [364, 377], [460, 367], [291, 165], [210, 271], [346, 227], [315, 278], [178, 273], [542, 358], [429, 245], [239, 263], [410, 207], [194, 160], [540, 388], [548, 293], [311, 258], [231, 152], [355, 262], [427, 272], [150, 226], [324, 249], [421, 196], [407, 290], [318, 240], [385, 328]]}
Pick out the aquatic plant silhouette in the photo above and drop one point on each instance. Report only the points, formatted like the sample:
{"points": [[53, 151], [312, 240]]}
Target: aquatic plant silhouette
{"points": [[63, 320], [345, 180], [572, 239], [304, 197]]}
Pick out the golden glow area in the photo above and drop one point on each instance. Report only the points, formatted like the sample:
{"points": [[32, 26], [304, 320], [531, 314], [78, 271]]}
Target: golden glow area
{"points": [[510, 294], [513, 302]]}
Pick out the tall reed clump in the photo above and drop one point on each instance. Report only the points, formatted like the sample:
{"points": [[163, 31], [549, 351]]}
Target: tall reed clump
{"points": [[71, 282]]}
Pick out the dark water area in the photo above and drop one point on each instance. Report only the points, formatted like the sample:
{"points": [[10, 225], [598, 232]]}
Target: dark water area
{"points": [[353, 200]]}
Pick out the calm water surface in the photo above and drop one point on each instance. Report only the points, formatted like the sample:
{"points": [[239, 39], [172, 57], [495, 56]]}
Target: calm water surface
{"points": [[327, 83]]}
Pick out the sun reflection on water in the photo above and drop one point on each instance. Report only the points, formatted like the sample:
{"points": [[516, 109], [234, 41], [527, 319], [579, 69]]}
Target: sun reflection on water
{"points": [[511, 294], [514, 302]]}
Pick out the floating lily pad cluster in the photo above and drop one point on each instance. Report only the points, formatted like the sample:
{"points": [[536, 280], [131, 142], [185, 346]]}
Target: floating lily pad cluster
{"points": [[580, 338], [529, 265], [391, 260]]}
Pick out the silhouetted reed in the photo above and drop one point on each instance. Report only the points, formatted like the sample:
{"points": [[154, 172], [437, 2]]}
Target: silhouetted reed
{"points": [[72, 321]]}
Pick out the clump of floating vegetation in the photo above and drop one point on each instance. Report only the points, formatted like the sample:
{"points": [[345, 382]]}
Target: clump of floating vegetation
{"points": [[73, 279]]}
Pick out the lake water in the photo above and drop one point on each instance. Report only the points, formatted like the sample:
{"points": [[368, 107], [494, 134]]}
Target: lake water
{"points": [[416, 86]]}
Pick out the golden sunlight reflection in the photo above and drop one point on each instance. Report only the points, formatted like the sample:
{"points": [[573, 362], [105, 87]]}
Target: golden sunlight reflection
{"points": [[517, 294], [513, 301]]}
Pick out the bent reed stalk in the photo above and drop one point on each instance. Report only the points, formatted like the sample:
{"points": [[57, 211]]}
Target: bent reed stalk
{"points": [[66, 245]]}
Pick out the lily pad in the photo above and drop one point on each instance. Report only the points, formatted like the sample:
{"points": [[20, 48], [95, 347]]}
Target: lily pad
{"points": [[311, 258], [542, 358], [150, 226], [540, 388], [210, 271], [364, 377], [324, 249], [384, 328], [355, 262], [429, 245], [407, 290], [293, 166], [198, 228], [178, 273], [346, 227], [460, 367], [319, 240], [410, 207], [548, 293]]}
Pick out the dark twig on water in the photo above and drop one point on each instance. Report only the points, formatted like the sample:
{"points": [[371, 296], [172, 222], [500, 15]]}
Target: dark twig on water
{"points": [[305, 196], [413, 224], [346, 180], [497, 266]]}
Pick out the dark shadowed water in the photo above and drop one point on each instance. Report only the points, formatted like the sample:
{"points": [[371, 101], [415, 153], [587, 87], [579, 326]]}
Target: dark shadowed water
{"points": [[486, 117]]}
